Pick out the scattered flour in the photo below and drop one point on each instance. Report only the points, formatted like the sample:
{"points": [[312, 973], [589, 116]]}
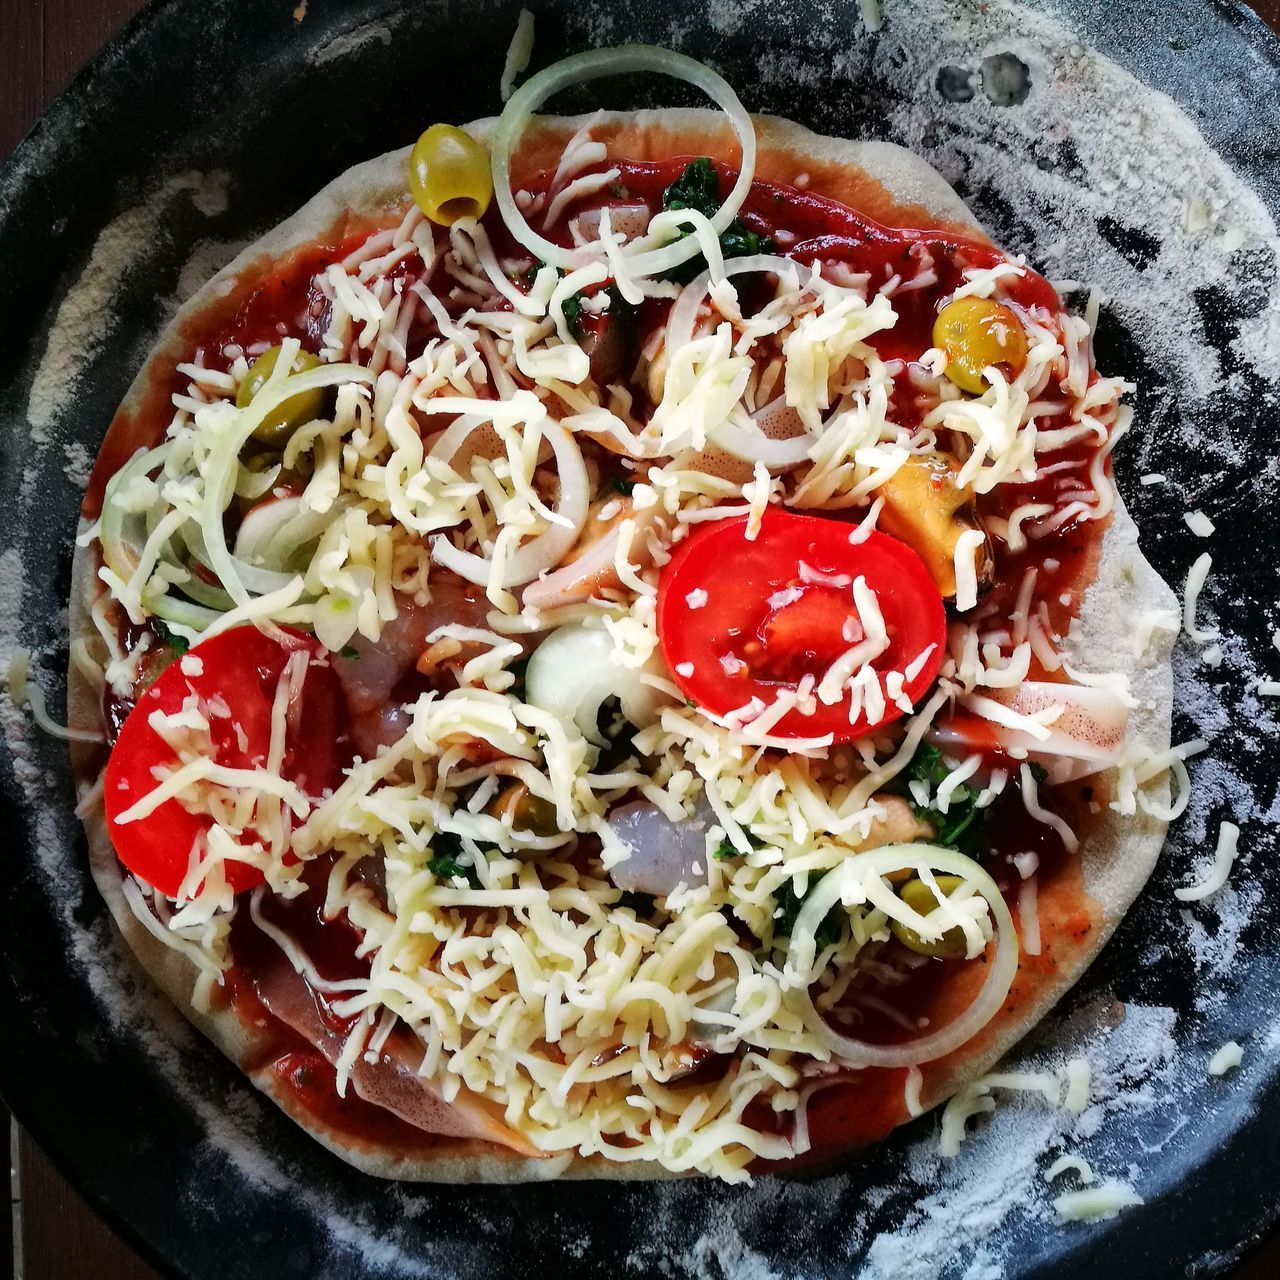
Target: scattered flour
{"points": [[349, 41], [87, 315], [79, 463], [207, 258]]}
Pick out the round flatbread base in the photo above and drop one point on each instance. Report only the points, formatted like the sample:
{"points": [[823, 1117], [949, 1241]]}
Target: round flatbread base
{"points": [[894, 187]]}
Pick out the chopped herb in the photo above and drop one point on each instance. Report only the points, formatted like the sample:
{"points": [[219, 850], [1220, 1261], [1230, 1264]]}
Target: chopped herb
{"points": [[964, 825], [727, 849], [573, 314], [446, 867], [698, 188], [349, 651], [623, 485], [445, 862], [179, 644], [619, 310], [827, 933], [619, 307], [739, 241]]}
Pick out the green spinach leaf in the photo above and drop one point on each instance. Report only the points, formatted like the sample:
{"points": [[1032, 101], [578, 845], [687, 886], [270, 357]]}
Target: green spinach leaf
{"points": [[698, 188]]}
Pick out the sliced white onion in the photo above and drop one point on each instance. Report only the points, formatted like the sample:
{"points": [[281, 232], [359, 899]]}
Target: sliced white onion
{"points": [[684, 311], [643, 258], [551, 546], [451, 440], [120, 531], [258, 580], [584, 575], [274, 533], [880, 862], [257, 484], [762, 438], [472, 436], [221, 461], [744, 439], [573, 672]]}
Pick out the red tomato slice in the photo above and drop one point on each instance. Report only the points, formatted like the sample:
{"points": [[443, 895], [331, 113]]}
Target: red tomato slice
{"points": [[239, 668], [766, 622]]}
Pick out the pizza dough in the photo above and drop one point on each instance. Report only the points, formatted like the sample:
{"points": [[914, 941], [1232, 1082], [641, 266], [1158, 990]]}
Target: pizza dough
{"points": [[890, 185]]}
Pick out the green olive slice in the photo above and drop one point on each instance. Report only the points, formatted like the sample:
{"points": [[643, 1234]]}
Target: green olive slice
{"points": [[290, 414], [953, 945]]}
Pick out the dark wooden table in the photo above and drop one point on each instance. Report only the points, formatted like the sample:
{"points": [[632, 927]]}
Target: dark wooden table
{"points": [[57, 1236]]}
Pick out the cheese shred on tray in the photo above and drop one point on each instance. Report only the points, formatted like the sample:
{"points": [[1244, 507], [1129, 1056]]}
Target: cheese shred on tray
{"points": [[600, 650]]}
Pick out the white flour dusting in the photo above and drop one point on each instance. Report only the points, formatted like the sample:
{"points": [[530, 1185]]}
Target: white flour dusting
{"points": [[1099, 178], [87, 315], [349, 41], [207, 258]]}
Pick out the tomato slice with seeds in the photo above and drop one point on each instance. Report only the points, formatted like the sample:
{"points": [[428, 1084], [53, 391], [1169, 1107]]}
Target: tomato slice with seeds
{"points": [[233, 676], [740, 619]]}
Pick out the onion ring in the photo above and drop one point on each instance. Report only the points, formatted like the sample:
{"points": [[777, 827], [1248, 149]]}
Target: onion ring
{"points": [[1000, 973], [550, 546], [684, 311], [597, 64]]}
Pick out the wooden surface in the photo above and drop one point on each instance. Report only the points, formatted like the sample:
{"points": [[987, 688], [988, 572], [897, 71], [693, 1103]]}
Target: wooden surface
{"points": [[58, 1238]]}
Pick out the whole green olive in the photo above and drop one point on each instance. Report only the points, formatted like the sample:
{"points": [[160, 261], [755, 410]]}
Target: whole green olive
{"points": [[449, 175], [290, 414], [525, 811], [920, 898]]}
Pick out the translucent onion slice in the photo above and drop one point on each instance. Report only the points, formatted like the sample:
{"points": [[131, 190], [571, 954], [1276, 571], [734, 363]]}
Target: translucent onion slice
{"points": [[222, 459], [743, 440], [257, 579], [281, 534], [684, 311], [122, 533], [447, 444], [747, 441], [572, 673], [881, 862], [549, 547], [643, 258]]}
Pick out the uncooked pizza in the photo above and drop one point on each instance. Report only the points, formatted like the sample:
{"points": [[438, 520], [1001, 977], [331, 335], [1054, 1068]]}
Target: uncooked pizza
{"points": [[620, 650]]}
